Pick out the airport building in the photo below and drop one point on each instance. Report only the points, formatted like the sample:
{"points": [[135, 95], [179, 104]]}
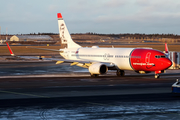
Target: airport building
{"points": [[37, 38], [175, 58]]}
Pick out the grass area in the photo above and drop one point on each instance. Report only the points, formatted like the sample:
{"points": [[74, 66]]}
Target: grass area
{"points": [[22, 50]]}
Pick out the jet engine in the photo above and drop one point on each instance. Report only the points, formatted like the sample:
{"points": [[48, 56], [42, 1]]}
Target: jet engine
{"points": [[98, 68]]}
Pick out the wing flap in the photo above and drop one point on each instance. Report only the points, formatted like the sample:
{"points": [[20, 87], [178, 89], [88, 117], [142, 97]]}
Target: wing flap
{"points": [[74, 63], [80, 63], [59, 62]]}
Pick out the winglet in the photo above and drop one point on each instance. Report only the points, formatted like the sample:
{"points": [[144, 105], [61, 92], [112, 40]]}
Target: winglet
{"points": [[166, 50], [11, 52]]}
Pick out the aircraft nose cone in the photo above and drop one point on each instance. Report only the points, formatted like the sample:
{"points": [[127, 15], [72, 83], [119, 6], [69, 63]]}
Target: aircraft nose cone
{"points": [[167, 63]]}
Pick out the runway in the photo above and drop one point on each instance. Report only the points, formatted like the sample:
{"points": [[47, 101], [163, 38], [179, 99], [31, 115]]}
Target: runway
{"points": [[29, 88], [23, 88]]}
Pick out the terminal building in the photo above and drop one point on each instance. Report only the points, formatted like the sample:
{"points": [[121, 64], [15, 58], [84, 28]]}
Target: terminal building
{"points": [[175, 58], [30, 38]]}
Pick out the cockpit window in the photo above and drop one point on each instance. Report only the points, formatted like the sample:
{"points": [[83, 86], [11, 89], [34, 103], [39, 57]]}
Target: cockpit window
{"points": [[160, 56]]}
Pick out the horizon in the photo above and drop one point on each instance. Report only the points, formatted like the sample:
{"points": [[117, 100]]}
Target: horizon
{"points": [[91, 33]]}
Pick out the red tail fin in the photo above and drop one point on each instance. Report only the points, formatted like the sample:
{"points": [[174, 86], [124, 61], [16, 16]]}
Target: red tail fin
{"points": [[12, 54], [166, 48]]}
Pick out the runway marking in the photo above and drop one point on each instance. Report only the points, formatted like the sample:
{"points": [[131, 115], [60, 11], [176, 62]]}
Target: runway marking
{"points": [[24, 94]]}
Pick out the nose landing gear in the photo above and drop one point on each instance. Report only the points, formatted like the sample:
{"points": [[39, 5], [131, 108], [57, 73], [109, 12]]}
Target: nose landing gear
{"points": [[157, 76]]}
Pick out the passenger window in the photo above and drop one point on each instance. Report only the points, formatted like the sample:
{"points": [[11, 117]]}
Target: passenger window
{"points": [[157, 56]]}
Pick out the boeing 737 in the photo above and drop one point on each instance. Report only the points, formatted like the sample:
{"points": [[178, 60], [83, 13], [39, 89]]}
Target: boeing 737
{"points": [[100, 60]]}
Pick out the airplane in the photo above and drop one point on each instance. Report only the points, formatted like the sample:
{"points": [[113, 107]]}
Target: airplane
{"points": [[100, 60]]}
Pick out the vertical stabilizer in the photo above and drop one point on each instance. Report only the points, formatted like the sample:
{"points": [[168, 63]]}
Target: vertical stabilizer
{"points": [[166, 50], [66, 40]]}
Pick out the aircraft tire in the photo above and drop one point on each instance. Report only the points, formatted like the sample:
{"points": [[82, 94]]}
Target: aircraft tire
{"points": [[157, 76], [94, 75]]}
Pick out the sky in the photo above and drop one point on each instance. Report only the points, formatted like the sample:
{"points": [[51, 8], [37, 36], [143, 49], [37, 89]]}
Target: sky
{"points": [[97, 16]]}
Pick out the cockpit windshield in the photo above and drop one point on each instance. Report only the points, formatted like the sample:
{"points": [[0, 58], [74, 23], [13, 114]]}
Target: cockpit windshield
{"points": [[160, 56]]}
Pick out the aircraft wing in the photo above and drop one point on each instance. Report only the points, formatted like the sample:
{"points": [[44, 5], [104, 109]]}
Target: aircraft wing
{"points": [[81, 63], [46, 49]]}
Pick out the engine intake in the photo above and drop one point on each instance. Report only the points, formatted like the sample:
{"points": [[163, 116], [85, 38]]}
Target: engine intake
{"points": [[98, 68]]}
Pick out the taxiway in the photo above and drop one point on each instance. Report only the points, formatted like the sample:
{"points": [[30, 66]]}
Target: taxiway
{"points": [[43, 90], [67, 83]]}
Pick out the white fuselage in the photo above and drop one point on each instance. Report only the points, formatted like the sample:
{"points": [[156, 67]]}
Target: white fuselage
{"points": [[118, 56], [137, 59]]}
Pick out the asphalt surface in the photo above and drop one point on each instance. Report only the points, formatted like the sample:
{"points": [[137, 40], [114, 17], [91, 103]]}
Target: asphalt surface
{"points": [[43, 90], [64, 83]]}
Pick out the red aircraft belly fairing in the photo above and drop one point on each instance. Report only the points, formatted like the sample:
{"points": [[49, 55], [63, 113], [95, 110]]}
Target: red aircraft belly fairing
{"points": [[149, 60]]}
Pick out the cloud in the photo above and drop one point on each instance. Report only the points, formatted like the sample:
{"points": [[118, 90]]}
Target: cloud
{"points": [[115, 3], [143, 3], [53, 8], [94, 15], [161, 6]]}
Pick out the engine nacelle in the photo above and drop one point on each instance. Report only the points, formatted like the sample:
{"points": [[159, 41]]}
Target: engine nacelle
{"points": [[98, 68]]}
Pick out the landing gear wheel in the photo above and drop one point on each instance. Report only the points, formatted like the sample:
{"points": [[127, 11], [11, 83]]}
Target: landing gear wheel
{"points": [[120, 73], [157, 76], [94, 75]]}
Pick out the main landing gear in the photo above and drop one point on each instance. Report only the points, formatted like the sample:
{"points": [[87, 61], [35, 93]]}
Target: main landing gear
{"points": [[94, 75], [120, 73]]}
